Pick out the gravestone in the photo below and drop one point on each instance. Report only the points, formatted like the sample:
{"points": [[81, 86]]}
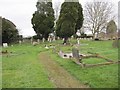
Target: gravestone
{"points": [[5, 45], [35, 43], [78, 42], [75, 53], [38, 40], [31, 40], [20, 41], [54, 38], [43, 39], [115, 43]]}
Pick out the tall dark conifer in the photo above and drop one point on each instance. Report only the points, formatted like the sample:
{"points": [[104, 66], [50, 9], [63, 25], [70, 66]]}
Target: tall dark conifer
{"points": [[70, 19], [43, 19]]}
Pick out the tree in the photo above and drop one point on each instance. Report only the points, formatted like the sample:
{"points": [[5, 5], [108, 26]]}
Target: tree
{"points": [[111, 29], [69, 20], [97, 16], [80, 19], [43, 19], [0, 30], [9, 31]]}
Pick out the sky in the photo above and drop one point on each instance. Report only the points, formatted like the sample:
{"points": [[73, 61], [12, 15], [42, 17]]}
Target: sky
{"points": [[20, 12]]}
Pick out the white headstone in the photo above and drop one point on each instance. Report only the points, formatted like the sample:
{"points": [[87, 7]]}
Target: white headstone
{"points": [[50, 39], [43, 39], [5, 45], [78, 42], [54, 38], [58, 38], [46, 47], [35, 43], [20, 42]]}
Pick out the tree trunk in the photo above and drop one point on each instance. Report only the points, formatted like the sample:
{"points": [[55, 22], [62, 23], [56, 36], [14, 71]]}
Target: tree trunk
{"points": [[65, 41]]}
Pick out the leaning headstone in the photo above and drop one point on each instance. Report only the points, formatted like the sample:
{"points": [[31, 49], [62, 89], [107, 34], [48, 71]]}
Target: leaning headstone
{"points": [[75, 53], [5, 45]]}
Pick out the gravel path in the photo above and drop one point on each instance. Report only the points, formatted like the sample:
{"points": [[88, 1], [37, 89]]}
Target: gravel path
{"points": [[57, 74]]}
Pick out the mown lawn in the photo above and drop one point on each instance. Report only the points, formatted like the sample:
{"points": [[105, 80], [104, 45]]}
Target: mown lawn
{"points": [[95, 77], [25, 70]]}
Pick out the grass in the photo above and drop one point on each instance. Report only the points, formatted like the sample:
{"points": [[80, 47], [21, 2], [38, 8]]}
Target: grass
{"points": [[25, 70], [95, 77]]}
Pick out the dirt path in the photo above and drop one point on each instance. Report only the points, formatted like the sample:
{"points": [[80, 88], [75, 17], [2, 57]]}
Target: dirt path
{"points": [[58, 75]]}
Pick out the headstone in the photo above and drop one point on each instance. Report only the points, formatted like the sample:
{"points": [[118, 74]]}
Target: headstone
{"points": [[31, 40], [23, 40], [78, 42], [50, 39], [20, 42], [46, 47], [5, 45], [75, 53], [115, 44], [43, 39], [58, 38], [35, 43], [54, 38], [38, 40]]}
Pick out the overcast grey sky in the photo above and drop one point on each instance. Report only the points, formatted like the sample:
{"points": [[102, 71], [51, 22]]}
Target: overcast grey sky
{"points": [[20, 12]]}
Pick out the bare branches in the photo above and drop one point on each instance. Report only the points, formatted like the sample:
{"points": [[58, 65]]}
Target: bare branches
{"points": [[97, 16]]}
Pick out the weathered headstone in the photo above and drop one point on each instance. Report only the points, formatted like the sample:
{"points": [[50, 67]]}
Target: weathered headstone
{"points": [[5, 45], [58, 38], [38, 40], [78, 42], [75, 53], [116, 43], [35, 43], [20, 42], [43, 39], [46, 47], [50, 39], [54, 38], [31, 40]]}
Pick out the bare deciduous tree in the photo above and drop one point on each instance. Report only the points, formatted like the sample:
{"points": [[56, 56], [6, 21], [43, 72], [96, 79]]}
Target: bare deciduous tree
{"points": [[97, 14]]}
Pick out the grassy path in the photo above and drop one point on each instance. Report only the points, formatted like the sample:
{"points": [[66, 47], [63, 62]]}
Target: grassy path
{"points": [[57, 74]]}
